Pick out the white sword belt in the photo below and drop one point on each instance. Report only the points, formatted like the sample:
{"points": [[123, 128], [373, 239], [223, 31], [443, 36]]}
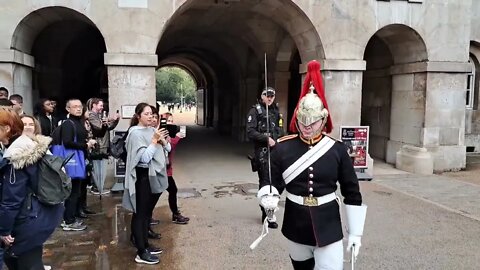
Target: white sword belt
{"points": [[311, 201]]}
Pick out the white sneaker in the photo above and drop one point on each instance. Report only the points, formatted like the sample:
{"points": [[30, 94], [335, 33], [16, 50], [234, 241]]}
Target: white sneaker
{"points": [[76, 226], [47, 267]]}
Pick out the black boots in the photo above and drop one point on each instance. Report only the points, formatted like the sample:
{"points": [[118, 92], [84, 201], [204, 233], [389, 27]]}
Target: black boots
{"points": [[153, 235], [303, 265]]}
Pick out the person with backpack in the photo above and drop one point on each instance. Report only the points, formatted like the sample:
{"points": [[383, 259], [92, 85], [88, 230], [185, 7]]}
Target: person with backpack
{"points": [[25, 221]]}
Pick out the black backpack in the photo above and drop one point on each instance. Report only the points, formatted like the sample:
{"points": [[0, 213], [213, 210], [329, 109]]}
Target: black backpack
{"points": [[54, 185], [118, 146]]}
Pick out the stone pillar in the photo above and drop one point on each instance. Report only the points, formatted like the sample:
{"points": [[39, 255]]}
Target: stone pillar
{"points": [[428, 111], [281, 94], [343, 90], [407, 110], [444, 132], [131, 80], [16, 75]]}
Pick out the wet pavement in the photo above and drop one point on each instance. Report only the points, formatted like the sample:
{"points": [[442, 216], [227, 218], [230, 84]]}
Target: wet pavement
{"points": [[413, 222]]}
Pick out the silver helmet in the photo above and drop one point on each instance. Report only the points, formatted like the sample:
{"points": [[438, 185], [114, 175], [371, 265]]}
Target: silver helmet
{"points": [[311, 108]]}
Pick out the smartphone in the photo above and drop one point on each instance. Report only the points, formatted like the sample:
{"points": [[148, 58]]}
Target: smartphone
{"points": [[163, 123], [183, 129]]}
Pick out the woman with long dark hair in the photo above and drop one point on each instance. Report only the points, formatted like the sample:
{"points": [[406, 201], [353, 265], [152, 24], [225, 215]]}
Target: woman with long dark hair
{"points": [[25, 223], [43, 111], [177, 217], [145, 174]]}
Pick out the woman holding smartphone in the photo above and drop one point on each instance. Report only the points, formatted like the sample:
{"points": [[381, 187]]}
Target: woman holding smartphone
{"points": [[177, 217], [145, 175]]}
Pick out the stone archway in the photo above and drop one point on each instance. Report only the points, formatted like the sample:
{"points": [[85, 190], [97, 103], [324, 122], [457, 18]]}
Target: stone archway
{"points": [[68, 52], [228, 41], [472, 113], [394, 94]]}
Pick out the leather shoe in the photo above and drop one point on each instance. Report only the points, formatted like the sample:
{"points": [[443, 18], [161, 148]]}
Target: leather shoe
{"points": [[153, 235], [88, 211], [81, 214]]}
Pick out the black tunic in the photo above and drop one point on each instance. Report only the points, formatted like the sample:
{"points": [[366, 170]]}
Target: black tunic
{"points": [[318, 225]]}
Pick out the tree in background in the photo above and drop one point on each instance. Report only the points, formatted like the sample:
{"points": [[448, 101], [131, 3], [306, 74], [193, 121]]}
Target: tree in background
{"points": [[171, 81]]}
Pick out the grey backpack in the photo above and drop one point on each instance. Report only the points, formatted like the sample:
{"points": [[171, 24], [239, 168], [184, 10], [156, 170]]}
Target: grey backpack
{"points": [[54, 185]]}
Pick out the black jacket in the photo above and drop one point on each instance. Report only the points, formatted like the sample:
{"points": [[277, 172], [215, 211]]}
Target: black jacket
{"points": [[73, 134], [318, 225], [257, 124], [46, 124]]}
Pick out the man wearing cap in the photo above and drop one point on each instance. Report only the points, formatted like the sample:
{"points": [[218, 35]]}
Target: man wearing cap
{"points": [[264, 135], [307, 165]]}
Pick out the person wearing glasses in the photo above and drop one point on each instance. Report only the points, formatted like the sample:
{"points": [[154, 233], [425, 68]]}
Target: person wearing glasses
{"points": [[73, 135]]}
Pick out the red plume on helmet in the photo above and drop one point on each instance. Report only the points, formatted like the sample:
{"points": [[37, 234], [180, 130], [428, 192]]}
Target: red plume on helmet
{"points": [[313, 76]]}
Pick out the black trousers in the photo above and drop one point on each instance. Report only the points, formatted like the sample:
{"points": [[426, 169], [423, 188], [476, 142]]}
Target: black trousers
{"points": [[72, 203], [172, 197], [30, 260], [82, 200], [153, 202], [141, 218]]}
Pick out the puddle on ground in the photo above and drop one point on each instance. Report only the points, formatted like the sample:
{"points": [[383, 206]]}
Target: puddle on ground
{"points": [[246, 189], [185, 193], [106, 242]]}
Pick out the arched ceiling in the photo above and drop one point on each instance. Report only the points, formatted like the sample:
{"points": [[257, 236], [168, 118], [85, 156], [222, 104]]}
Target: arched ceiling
{"points": [[404, 43], [37, 21]]}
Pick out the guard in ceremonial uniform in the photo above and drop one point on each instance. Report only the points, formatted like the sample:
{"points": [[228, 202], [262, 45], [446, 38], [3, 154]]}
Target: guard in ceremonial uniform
{"points": [[263, 138], [307, 165]]}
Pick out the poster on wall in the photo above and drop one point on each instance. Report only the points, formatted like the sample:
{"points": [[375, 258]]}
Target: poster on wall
{"points": [[356, 139]]}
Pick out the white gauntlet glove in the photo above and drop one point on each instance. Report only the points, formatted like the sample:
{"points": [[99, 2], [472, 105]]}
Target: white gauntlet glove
{"points": [[356, 215], [269, 201]]}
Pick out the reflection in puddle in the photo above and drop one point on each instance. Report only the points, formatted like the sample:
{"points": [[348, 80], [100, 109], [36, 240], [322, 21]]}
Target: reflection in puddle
{"points": [[105, 244], [246, 189]]}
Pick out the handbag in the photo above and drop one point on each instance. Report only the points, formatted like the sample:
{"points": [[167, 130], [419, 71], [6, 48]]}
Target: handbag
{"points": [[76, 166]]}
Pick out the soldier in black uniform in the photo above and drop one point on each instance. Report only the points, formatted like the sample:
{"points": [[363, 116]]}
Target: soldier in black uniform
{"points": [[263, 138], [307, 165]]}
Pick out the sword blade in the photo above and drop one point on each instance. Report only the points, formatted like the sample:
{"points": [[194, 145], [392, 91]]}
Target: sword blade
{"points": [[268, 128]]}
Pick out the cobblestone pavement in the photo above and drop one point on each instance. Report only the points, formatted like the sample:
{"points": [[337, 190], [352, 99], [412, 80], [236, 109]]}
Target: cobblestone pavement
{"points": [[414, 222]]}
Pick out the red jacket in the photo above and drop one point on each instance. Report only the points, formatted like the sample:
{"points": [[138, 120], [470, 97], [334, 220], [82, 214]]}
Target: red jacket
{"points": [[173, 143]]}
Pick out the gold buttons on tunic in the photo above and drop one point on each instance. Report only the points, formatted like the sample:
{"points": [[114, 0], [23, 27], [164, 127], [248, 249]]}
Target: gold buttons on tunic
{"points": [[310, 189], [310, 175], [310, 182], [310, 168], [311, 195]]}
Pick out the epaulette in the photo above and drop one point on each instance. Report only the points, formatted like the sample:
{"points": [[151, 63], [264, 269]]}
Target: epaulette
{"points": [[287, 137], [259, 108], [335, 139]]}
